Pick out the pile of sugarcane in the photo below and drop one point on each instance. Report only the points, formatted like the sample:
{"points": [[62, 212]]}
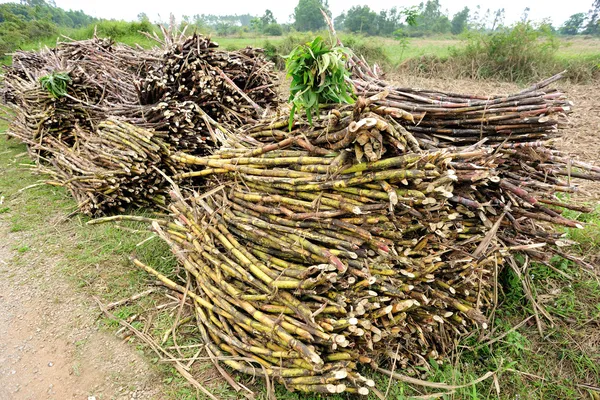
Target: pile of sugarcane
{"points": [[115, 167], [196, 81], [182, 95], [442, 119], [326, 252], [102, 76]]}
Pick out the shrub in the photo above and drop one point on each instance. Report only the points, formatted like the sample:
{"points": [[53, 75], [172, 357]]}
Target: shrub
{"points": [[273, 30], [516, 54], [371, 49], [117, 29]]}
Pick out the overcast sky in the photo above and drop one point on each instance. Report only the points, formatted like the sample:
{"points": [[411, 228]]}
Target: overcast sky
{"points": [[557, 11]]}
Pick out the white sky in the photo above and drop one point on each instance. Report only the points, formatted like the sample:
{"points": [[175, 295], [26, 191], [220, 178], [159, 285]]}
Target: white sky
{"points": [[557, 11]]}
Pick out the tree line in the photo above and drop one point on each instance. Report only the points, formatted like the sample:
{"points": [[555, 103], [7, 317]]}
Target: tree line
{"points": [[427, 18], [31, 20]]}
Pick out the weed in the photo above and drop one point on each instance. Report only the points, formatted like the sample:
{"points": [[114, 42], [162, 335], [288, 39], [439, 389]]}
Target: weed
{"points": [[22, 249]]}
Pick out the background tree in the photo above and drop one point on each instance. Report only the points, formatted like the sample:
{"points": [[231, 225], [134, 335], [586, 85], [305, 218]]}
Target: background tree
{"points": [[388, 21], [431, 19], [593, 25], [338, 22], [307, 15], [273, 30], [573, 25], [459, 21], [268, 18], [361, 19]]}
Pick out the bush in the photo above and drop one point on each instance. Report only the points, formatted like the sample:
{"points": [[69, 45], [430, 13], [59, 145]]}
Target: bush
{"points": [[371, 49], [273, 30], [520, 53], [117, 29]]}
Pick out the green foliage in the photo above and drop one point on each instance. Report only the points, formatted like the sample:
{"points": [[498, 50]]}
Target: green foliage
{"points": [[308, 17], [268, 18], [34, 21], [319, 76], [267, 24], [372, 49], [459, 21], [361, 19], [210, 22], [593, 20], [273, 30], [117, 29], [431, 19], [56, 83], [573, 25], [515, 54]]}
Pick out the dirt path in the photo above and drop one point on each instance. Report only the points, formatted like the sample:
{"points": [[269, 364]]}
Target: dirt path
{"points": [[50, 344]]}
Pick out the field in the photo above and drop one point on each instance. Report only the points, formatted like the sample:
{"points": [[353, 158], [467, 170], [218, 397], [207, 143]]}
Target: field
{"points": [[570, 48], [81, 262]]}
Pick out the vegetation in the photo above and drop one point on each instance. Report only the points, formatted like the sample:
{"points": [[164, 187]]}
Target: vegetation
{"points": [[307, 15], [361, 19], [460, 21], [33, 20], [319, 76], [56, 83], [32, 23], [522, 53], [515, 54]]}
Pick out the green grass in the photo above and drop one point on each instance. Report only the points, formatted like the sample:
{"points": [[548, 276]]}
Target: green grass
{"points": [[397, 52], [94, 259]]}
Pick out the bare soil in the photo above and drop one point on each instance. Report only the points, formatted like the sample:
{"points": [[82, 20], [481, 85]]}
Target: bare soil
{"points": [[50, 344]]}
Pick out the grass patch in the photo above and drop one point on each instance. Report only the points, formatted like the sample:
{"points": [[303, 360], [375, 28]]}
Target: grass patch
{"points": [[94, 259]]}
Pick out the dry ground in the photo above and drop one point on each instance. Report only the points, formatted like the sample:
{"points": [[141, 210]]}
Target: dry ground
{"points": [[50, 344]]}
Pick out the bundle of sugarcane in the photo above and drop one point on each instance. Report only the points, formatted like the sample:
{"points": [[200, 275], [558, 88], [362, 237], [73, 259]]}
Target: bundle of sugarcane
{"points": [[23, 64], [114, 68], [196, 80], [98, 80], [40, 115], [449, 119], [109, 170], [98, 62], [344, 244], [526, 175]]}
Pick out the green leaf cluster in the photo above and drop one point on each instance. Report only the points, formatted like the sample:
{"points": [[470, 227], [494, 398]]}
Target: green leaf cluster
{"points": [[56, 83], [319, 76]]}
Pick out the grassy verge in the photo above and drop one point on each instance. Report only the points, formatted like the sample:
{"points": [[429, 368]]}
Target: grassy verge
{"points": [[93, 259]]}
